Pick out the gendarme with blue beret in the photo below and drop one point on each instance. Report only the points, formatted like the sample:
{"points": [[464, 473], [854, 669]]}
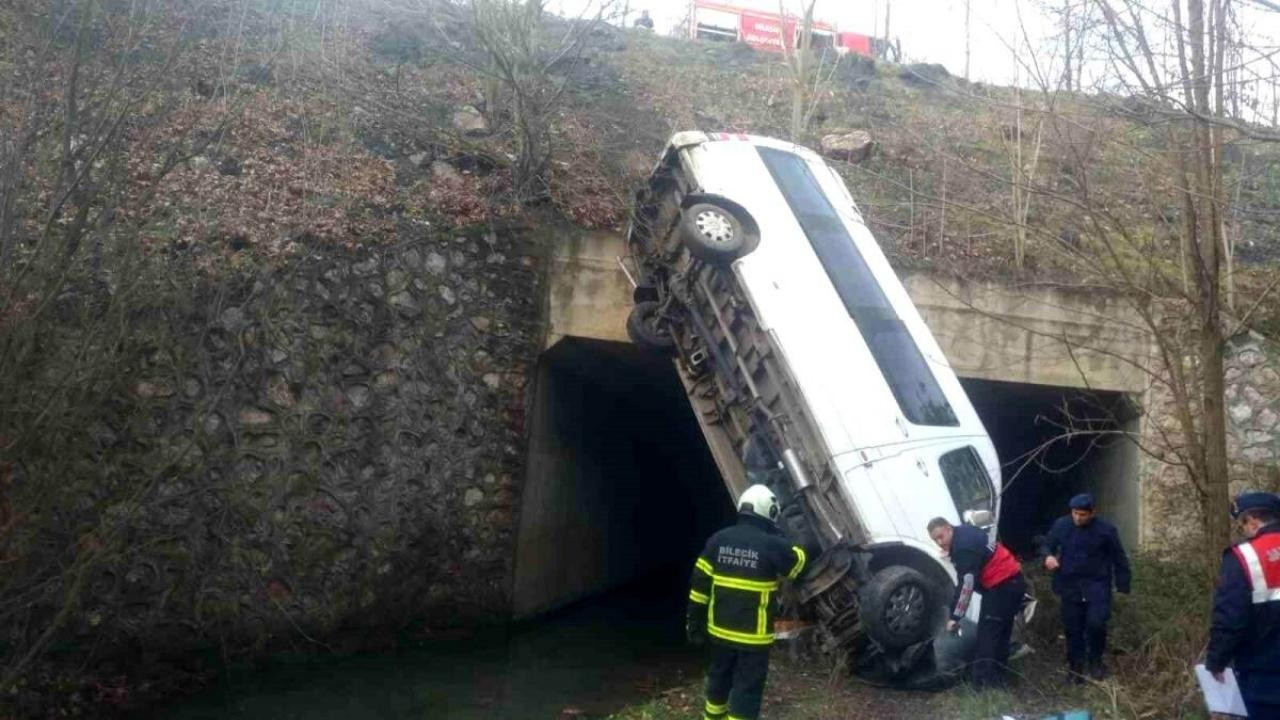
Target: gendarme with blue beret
{"points": [[1255, 501]]}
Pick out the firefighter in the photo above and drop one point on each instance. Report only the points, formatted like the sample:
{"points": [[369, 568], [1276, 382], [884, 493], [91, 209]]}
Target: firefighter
{"points": [[1246, 607], [986, 567], [731, 600], [1084, 553]]}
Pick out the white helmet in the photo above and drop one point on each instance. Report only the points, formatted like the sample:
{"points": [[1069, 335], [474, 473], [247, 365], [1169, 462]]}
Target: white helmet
{"points": [[759, 500]]}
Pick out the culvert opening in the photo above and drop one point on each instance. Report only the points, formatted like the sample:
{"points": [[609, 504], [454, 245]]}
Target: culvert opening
{"points": [[620, 490], [1055, 442]]}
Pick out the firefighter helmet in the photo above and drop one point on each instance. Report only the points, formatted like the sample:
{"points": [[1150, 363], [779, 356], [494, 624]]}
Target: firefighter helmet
{"points": [[759, 500]]}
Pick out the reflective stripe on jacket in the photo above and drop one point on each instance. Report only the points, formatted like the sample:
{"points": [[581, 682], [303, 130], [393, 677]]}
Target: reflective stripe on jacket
{"points": [[736, 576], [1246, 608], [1260, 560]]}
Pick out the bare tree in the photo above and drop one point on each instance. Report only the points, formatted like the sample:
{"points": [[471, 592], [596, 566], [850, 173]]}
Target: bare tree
{"points": [[968, 36], [528, 58], [73, 212], [1185, 99], [807, 71], [1179, 103], [1195, 92]]}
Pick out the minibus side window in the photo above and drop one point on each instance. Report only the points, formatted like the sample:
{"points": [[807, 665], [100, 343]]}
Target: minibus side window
{"points": [[901, 363], [967, 480]]}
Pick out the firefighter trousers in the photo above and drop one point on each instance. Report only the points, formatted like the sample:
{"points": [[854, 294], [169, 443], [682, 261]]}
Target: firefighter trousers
{"points": [[735, 683]]}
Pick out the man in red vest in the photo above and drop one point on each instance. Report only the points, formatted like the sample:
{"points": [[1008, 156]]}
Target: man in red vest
{"points": [[1246, 607], [987, 567]]}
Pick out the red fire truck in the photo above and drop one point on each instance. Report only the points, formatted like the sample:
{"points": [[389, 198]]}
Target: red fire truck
{"points": [[766, 30]]}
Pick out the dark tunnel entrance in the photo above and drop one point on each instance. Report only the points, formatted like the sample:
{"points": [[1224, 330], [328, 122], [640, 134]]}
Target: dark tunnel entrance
{"points": [[620, 485], [1054, 442]]}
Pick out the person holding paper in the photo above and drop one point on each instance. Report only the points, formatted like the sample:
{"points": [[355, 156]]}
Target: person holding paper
{"points": [[1246, 607]]}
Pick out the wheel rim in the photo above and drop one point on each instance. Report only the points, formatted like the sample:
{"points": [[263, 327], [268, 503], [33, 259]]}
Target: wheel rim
{"points": [[904, 613], [714, 226]]}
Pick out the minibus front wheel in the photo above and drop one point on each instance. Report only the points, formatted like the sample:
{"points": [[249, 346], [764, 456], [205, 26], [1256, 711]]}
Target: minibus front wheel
{"points": [[898, 605], [712, 233]]}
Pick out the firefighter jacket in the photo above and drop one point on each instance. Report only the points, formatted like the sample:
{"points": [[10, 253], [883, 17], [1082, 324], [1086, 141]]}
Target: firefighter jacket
{"points": [[736, 577], [980, 565], [1246, 607], [1089, 558]]}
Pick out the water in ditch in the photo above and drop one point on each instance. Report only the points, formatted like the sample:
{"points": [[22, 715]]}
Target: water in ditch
{"points": [[584, 661]]}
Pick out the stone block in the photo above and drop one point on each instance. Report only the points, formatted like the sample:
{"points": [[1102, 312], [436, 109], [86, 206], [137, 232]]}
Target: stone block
{"points": [[472, 497], [255, 417], [469, 121], [404, 303], [1250, 357], [1240, 413], [854, 146], [358, 396]]}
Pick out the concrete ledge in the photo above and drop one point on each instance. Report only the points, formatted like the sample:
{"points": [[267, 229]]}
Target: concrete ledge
{"points": [[1041, 335]]}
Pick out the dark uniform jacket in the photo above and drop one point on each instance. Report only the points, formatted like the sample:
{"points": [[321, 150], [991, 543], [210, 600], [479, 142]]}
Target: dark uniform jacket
{"points": [[1089, 558], [980, 565], [736, 577], [1246, 609]]}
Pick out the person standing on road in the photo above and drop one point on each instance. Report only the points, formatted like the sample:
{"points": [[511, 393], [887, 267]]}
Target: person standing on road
{"points": [[731, 600], [987, 567], [1084, 553], [1246, 607]]}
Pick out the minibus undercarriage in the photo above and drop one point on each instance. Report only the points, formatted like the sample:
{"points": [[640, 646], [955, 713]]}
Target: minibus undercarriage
{"points": [[878, 609]]}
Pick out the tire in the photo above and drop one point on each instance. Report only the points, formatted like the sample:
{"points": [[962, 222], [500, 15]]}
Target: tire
{"points": [[711, 233], [898, 607], [644, 330]]}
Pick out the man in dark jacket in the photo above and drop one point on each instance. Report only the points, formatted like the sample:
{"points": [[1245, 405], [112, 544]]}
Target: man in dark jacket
{"points": [[1085, 554], [1246, 607], [988, 568], [731, 599]]}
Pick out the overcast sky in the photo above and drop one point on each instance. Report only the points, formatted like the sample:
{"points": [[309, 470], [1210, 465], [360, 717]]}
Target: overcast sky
{"points": [[933, 30]]}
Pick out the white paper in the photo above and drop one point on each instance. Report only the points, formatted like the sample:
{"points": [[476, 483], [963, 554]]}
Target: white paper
{"points": [[1221, 697]]}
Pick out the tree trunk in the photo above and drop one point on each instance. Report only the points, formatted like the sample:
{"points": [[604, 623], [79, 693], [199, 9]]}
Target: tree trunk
{"points": [[1066, 45], [968, 37], [797, 111], [1208, 291]]}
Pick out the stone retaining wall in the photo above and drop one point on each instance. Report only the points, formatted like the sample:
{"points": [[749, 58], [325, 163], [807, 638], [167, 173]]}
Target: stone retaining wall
{"points": [[346, 433], [1252, 374]]}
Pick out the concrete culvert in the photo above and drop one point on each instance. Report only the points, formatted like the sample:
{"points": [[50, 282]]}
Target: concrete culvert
{"points": [[620, 483], [1055, 442]]}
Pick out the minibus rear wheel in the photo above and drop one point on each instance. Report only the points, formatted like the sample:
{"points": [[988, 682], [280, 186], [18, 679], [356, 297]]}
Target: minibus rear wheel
{"points": [[712, 233], [646, 330]]}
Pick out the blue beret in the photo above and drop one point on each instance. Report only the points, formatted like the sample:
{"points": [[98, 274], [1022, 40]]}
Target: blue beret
{"points": [[1083, 501], [1255, 501]]}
